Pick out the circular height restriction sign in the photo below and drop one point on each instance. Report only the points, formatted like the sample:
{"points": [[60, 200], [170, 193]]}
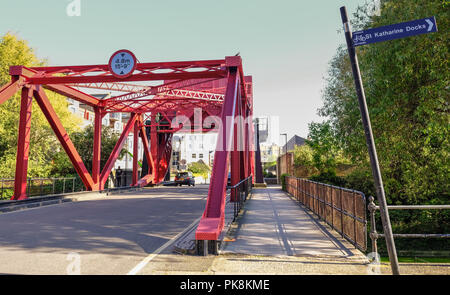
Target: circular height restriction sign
{"points": [[122, 63]]}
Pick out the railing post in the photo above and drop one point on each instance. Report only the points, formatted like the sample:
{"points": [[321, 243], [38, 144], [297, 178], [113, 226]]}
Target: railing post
{"points": [[64, 185], [373, 230], [342, 212], [29, 186], [73, 184], [332, 206], [354, 219]]}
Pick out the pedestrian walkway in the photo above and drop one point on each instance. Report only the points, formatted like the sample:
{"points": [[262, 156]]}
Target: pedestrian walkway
{"points": [[274, 224]]}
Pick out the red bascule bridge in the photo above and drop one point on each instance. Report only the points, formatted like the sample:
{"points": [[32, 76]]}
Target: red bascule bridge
{"points": [[215, 88]]}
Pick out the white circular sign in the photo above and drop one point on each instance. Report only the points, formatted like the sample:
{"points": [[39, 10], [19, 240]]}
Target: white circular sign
{"points": [[122, 63]]}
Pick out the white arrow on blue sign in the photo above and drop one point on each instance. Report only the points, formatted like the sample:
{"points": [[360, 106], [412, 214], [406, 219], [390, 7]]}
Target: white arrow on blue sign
{"points": [[395, 31]]}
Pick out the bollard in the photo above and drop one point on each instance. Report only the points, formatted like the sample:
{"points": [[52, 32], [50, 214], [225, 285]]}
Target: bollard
{"points": [[373, 230]]}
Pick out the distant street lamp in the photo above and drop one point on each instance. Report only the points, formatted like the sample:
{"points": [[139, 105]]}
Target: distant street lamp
{"points": [[285, 139]]}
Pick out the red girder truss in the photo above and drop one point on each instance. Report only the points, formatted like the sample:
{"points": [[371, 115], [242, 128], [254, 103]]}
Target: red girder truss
{"points": [[215, 87]]}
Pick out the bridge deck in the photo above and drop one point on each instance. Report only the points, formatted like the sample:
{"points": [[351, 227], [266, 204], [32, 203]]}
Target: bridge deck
{"points": [[274, 224], [112, 235]]}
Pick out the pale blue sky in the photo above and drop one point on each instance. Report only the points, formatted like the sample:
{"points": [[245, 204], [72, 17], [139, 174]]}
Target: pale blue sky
{"points": [[285, 45]]}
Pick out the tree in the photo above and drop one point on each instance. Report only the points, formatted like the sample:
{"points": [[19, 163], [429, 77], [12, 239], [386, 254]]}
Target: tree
{"points": [[406, 84], [199, 168], [303, 160], [84, 143], [43, 143], [326, 152]]}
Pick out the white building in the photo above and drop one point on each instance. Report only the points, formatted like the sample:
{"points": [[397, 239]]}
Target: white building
{"points": [[192, 147], [269, 136], [269, 130]]}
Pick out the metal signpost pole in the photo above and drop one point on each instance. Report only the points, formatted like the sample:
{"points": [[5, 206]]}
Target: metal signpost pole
{"points": [[371, 145]]}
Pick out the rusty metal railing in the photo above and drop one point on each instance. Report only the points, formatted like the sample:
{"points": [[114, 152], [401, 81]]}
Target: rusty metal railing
{"points": [[374, 235], [239, 193], [343, 209], [45, 186], [42, 186]]}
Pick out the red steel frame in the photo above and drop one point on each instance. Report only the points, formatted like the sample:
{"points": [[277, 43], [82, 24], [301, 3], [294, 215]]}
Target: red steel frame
{"points": [[182, 90]]}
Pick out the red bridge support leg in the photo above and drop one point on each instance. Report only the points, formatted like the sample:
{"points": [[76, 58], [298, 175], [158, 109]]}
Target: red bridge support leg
{"points": [[236, 158], [23, 145], [212, 221], [135, 153], [154, 148], [147, 176], [97, 149]]}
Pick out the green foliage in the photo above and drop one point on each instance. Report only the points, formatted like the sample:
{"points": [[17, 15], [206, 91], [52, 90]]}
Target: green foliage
{"points": [[269, 165], [199, 168], [406, 85], [326, 152], [84, 143], [304, 159], [361, 180], [329, 178], [283, 181], [43, 143]]}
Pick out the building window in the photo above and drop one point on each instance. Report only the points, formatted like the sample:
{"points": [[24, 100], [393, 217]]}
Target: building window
{"points": [[194, 156], [200, 156]]}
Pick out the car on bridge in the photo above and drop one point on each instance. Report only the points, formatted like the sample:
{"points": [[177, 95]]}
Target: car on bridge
{"points": [[184, 178]]}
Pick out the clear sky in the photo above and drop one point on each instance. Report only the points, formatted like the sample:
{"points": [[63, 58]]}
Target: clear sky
{"points": [[285, 44]]}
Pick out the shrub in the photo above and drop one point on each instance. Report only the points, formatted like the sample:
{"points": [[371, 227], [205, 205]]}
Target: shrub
{"points": [[283, 180]]}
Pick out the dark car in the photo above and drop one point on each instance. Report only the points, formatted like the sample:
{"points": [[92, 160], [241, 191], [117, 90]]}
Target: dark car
{"points": [[184, 178]]}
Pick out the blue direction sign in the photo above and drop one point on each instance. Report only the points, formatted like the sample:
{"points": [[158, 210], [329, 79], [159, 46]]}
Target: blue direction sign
{"points": [[395, 31]]}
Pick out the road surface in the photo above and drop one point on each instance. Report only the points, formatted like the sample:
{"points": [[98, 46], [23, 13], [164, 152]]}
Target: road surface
{"points": [[111, 235]]}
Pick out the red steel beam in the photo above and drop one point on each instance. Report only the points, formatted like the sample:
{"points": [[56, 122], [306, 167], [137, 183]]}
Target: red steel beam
{"points": [[23, 145], [135, 77], [117, 148], [143, 134], [212, 220], [97, 148], [236, 158], [149, 176], [140, 66], [63, 137], [74, 93], [23, 73], [135, 153], [10, 89], [154, 147]]}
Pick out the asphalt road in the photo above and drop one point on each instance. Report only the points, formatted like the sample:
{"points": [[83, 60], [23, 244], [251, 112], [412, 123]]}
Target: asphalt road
{"points": [[110, 235]]}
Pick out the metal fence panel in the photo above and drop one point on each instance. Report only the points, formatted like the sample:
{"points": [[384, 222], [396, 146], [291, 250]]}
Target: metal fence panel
{"points": [[343, 209]]}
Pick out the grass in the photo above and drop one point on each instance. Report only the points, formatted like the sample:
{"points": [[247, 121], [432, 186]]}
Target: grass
{"points": [[419, 259]]}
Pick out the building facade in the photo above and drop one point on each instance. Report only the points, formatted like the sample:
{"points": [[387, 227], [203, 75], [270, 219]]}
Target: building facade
{"points": [[192, 147]]}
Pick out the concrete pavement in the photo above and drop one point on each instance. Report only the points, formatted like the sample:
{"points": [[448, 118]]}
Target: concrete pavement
{"points": [[273, 224], [110, 235]]}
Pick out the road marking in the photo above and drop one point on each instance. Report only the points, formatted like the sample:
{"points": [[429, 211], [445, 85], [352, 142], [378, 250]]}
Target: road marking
{"points": [[150, 257]]}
